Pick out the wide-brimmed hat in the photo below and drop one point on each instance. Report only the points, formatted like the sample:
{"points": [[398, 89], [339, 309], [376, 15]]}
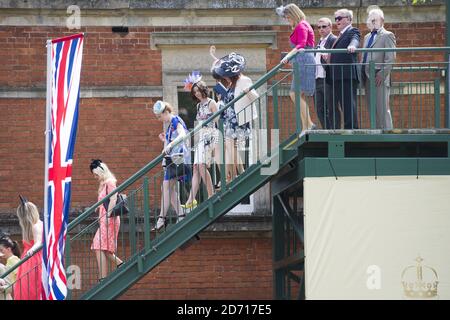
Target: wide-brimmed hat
{"points": [[230, 65]]}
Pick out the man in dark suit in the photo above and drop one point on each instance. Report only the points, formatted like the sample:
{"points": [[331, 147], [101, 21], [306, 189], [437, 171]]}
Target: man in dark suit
{"points": [[343, 72], [323, 99]]}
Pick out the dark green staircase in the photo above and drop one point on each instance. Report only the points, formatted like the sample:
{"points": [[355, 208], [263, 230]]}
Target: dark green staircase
{"points": [[173, 238]]}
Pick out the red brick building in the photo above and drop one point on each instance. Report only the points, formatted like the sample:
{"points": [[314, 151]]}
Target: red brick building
{"points": [[123, 74]]}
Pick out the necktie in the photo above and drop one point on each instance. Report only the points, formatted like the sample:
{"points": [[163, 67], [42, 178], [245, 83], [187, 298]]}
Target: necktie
{"points": [[369, 44], [335, 41], [332, 47]]}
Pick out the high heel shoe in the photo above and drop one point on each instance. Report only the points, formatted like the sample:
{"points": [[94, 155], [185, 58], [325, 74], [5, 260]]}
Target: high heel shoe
{"points": [[159, 224], [189, 205], [181, 217]]}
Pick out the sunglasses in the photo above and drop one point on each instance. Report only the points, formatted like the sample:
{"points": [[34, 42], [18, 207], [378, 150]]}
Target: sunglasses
{"points": [[339, 18], [322, 27]]}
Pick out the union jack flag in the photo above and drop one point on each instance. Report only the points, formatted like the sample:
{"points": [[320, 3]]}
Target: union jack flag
{"points": [[66, 56]]}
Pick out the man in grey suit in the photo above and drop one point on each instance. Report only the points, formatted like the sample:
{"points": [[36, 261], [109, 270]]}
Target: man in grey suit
{"points": [[323, 100], [379, 38]]}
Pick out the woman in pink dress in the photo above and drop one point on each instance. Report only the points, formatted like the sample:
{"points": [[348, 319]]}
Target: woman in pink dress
{"points": [[301, 38], [28, 283], [105, 239]]}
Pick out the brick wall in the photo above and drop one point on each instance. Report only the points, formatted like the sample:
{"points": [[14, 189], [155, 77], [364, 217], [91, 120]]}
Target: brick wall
{"points": [[238, 268], [108, 58]]}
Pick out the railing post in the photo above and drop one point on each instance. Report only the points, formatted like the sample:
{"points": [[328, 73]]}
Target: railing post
{"points": [[278, 242], [223, 173], [372, 96], [447, 57], [132, 223], [297, 97], [447, 88], [146, 215], [275, 107], [67, 265], [437, 103]]}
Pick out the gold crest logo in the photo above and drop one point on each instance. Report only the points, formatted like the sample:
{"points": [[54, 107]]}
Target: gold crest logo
{"points": [[420, 281]]}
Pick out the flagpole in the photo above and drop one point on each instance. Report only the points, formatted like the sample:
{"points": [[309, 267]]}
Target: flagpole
{"points": [[47, 126], [47, 148]]}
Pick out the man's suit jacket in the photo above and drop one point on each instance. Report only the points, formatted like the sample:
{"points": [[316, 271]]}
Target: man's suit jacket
{"points": [[384, 39], [328, 45], [346, 68]]}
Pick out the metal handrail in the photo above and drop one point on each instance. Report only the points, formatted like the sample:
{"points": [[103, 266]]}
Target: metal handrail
{"points": [[397, 49], [158, 159], [18, 264]]}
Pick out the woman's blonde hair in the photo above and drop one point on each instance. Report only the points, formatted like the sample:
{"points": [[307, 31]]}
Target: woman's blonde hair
{"points": [[294, 12], [105, 175], [168, 107], [28, 215]]}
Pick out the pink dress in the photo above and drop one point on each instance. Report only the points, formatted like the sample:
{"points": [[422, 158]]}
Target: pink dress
{"points": [[28, 284], [106, 236]]}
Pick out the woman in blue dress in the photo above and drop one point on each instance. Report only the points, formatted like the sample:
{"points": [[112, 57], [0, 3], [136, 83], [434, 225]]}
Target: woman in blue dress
{"points": [[176, 161]]}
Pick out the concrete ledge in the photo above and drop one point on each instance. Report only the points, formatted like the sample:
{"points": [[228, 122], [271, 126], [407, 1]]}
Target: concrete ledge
{"points": [[107, 16], [86, 92], [139, 4], [247, 38], [192, 4], [122, 92]]}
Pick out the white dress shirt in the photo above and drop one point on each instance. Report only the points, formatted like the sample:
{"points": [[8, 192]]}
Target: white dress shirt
{"points": [[320, 71], [345, 29]]}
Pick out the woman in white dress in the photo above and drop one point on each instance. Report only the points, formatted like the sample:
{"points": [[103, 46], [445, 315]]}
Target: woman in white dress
{"points": [[207, 137]]}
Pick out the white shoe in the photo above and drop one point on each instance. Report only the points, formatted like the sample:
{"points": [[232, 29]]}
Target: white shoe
{"points": [[159, 224]]}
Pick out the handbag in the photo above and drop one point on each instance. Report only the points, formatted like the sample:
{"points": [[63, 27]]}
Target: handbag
{"points": [[121, 207]]}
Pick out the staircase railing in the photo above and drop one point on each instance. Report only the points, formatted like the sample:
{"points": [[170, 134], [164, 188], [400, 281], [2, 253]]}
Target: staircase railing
{"points": [[137, 233]]}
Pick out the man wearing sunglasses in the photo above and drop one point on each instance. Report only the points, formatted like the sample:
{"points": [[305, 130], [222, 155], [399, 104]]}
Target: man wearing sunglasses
{"points": [[322, 98], [343, 72]]}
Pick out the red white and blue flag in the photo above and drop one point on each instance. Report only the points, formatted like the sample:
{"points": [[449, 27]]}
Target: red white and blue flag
{"points": [[66, 56]]}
